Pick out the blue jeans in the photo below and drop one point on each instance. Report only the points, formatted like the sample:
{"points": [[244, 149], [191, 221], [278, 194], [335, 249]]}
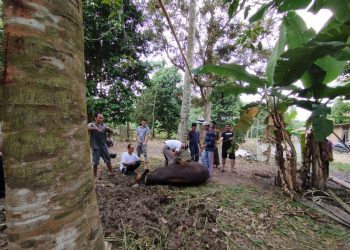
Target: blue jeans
{"points": [[208, 160], [194, 152]]}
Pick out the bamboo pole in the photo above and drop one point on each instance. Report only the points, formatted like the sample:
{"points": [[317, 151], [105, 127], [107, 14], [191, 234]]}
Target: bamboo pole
{"points": [[336, 198], [340, 182]]}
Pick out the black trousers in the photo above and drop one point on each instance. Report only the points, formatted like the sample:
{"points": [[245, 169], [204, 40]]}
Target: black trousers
{"points": [[131, 168], [191, 174], [216, 156], [2, 179]]}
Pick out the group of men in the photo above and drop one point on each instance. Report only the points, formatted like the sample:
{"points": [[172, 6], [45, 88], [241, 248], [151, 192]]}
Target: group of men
{"points": [[98, 142], [204, 145]]}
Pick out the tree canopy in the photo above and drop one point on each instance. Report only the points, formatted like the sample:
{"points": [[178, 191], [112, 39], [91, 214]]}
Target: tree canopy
{"points": [[341, 111], [114, 47], [160, 103]]}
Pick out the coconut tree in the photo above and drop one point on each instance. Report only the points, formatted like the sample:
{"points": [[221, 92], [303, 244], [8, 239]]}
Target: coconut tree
{"points": [[50, 200], [314, 58]]}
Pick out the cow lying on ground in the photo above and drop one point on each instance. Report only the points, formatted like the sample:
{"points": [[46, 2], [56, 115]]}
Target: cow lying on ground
{"points": [[176, 174]]}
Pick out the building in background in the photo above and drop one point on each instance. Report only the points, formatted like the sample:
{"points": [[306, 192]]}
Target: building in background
{"points": [[342, 131]]}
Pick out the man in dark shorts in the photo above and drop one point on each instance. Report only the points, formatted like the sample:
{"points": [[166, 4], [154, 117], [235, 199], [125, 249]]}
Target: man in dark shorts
{"points": [[226, 139], [193, 137], [178, 174], [98, 143]]}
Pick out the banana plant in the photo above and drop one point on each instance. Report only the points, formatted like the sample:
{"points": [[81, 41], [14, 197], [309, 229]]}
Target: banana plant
{"points": [[300, 54]]}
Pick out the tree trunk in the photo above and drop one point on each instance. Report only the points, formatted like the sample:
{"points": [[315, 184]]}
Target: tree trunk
{"points": [[154, 113], [128, 131], [50, 200], [286, 160], [186, 95], [315, 171], [320, 171], [207, 104], [307, 161]]}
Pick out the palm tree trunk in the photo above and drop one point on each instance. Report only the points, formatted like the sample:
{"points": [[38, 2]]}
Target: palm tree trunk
{"points": [[186, 95], [50, 200]]}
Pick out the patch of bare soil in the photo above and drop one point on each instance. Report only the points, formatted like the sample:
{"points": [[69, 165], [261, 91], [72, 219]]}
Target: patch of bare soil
{"points": [[212, 216], [241, 210]]}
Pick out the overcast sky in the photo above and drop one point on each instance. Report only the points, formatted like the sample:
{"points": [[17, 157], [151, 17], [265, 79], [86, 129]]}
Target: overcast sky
{"points": [[314, 21]]}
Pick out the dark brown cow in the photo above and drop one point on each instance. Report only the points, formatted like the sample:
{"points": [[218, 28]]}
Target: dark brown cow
{"points": [[185, 174]]}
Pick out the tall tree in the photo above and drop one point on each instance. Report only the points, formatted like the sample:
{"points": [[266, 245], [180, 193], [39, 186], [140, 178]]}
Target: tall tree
{"points": [[186, 95], [115, 43], [160, 103], [314, 58], [226, 109], [341, 111], [50, 200], [219, 38]]}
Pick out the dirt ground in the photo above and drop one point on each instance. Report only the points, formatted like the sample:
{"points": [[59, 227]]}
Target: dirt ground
{"points": [[242, 210]]}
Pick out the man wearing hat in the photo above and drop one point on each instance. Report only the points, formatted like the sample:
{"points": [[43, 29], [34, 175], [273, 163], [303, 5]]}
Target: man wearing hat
{"points": [[193, 137], [208, 147], [172, 149]]}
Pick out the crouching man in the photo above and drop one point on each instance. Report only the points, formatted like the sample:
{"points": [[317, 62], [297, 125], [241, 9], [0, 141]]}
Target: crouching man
{"points": [[171, 150], [129, 161], [178, 174]]}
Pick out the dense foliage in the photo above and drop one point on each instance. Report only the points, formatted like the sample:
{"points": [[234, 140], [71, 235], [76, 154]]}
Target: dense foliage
{"points": [[225, 108], [160, 103], [341, 111], [114, 45]]}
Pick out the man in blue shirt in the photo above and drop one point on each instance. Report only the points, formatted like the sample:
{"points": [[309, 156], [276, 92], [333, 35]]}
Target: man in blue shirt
{"points": [[193, 137], [208, 147]]}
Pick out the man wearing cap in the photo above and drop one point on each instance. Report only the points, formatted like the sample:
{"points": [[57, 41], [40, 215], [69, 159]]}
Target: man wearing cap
{"points": [[208, 147], [172, 149], [193, 137]]}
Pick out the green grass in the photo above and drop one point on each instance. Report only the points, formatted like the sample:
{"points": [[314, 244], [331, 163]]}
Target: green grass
{"points": [[243, 210], [242, 217], [340, 166]]}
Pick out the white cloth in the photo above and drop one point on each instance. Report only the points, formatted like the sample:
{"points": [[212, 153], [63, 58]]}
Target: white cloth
{"points": [[128, 158], [174, 145]]}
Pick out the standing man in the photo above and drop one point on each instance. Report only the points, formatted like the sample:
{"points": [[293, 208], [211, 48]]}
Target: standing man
{"points": [[208, 147], [98, 143], [172, 149], [142, 136], [129, 161], [226, 139], [216, 150], [193, 136]]}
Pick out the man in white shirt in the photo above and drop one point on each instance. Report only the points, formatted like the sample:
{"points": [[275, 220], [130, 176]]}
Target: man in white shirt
{"points": [[172, 149], [129, 161]]}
